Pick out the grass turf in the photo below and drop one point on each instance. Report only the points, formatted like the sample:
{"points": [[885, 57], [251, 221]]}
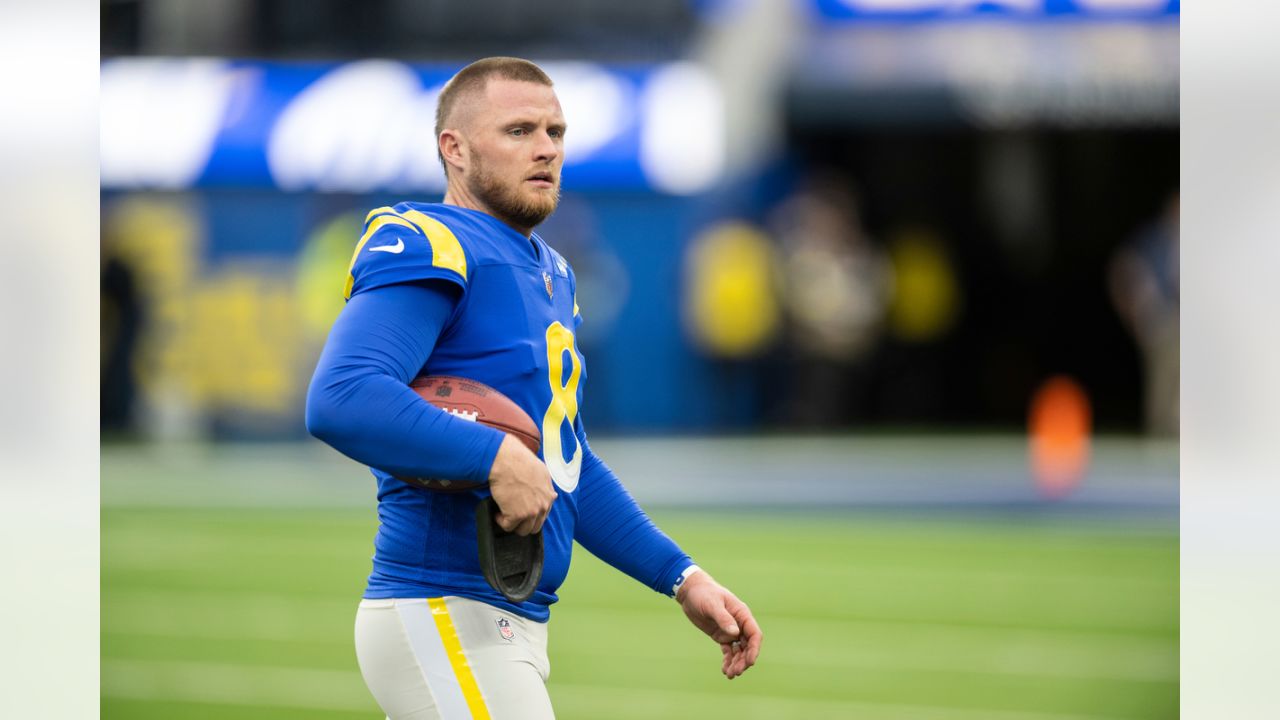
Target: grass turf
{"points": [[247, 613]]}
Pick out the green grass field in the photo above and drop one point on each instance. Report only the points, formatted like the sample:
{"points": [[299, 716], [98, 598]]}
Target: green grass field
{"points": [[247, 613]]}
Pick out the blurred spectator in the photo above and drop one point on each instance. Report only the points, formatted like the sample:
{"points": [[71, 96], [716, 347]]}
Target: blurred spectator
{"points": [[122, 318], [1145, 290], [837, 286]]}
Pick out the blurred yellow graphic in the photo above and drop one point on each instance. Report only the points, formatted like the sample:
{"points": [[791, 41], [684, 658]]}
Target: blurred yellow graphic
{"points": [[926, 300], [732, 307]]}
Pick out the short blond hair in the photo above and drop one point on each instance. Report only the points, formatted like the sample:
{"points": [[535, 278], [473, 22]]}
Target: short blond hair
{"points": [[474, 78]]}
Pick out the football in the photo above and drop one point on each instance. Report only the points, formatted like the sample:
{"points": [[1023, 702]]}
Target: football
{"points": [[477, 402]]}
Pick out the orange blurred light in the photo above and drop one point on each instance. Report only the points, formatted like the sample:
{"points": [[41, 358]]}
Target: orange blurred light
{"points": [[1058, 428]]}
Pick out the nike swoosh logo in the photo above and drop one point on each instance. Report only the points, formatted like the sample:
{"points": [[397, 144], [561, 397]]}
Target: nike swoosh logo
{"points": [[395, 249]]}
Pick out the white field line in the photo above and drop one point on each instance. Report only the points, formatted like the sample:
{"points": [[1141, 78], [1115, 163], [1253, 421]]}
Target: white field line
{"points": [[236, 685], [626, 702], [334, 690], [897, 627], [823, 644], [255, 616], [1019, 662], [846, 644]]}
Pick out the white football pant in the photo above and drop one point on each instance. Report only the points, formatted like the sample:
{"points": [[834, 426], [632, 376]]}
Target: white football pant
{"points": [[452, 658]]}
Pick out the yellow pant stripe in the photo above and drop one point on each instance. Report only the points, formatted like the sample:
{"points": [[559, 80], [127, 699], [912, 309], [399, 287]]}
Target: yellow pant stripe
{"points": [[458, 659], [373, 228]]}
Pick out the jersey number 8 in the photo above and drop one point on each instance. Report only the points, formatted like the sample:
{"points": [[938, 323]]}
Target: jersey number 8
{"points": [[563, 408]]}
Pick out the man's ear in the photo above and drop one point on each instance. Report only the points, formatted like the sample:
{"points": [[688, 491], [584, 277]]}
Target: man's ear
{"points": [[453, 150]]}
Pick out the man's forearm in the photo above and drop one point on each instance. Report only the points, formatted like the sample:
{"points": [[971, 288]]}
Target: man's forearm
{"points": [[613, 527]]}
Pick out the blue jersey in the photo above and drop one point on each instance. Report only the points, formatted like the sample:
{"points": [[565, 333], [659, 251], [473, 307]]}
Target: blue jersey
{"points": [[512, 327]]}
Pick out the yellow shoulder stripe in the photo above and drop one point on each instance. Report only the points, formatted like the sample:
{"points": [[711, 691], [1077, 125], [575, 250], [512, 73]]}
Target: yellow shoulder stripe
{"points": [[387, 209], [458, 659], [368, 233], [446, 251]]}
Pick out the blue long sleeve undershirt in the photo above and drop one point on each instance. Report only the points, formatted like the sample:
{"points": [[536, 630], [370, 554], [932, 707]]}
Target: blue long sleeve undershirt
{"points": [[360, 403], [613, 527]]}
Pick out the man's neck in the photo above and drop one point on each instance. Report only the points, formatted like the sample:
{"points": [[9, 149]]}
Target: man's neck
{"points": [[459, 197]]}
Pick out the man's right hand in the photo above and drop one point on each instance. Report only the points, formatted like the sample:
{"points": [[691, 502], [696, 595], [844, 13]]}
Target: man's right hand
{"points": [[521, 486]]}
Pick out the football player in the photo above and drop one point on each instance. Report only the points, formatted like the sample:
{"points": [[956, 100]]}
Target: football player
{"points": [[466, 288]]}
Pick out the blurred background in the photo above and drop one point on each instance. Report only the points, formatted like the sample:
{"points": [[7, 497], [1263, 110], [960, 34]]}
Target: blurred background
{"points": [[881, 305]]}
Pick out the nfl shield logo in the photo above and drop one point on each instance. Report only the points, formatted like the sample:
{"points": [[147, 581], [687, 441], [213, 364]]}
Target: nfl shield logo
{"points": [[547, 279], [504, 629]]}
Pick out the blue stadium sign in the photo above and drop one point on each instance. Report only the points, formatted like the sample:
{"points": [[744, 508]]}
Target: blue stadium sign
{"points": [[367, 126], [908, 10]]}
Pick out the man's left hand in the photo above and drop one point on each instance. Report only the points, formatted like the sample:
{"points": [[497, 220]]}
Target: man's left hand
{"points": [[724, 618]]}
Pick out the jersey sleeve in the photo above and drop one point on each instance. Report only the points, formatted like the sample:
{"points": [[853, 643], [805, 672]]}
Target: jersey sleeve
{"points": [[400, 245]]}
